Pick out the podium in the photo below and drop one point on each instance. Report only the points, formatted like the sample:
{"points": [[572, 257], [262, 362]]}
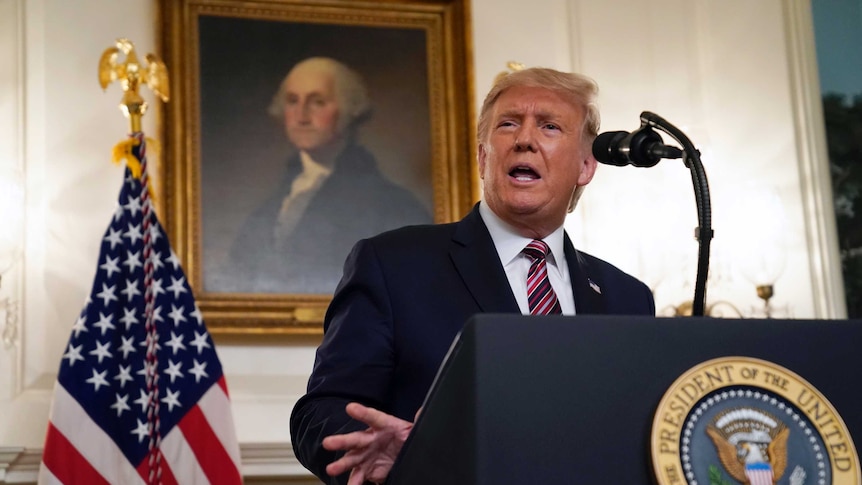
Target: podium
{"points": [[571, 399]]}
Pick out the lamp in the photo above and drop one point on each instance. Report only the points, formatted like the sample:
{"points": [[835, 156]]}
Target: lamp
{"points": [[11, 240], [750, 256], [762, 268], [760, 249]]}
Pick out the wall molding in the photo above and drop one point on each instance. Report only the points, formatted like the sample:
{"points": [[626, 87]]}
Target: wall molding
{"points": [[815, 180], [261, 463], [11, 156]]}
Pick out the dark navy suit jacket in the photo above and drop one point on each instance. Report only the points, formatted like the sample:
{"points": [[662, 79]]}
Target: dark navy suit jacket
{"points": [[404, 296]]}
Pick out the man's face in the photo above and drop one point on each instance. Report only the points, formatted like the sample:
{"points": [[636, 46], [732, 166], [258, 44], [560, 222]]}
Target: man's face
{"points": [[311, 109], [533, 159]]}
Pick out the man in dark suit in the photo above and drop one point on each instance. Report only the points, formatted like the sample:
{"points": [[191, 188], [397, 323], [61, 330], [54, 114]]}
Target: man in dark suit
{"points": [[405, 294]]}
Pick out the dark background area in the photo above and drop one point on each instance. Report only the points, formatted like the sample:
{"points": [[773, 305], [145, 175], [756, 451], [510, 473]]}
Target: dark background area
{"points": [[838, 32]]}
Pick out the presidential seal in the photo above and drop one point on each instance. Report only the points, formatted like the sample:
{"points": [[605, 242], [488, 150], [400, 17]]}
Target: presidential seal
{"points": [[739, 420]]}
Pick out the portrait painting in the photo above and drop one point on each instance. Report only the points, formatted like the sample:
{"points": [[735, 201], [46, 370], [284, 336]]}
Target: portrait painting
{"points": [[302, 131], [254, 146]]}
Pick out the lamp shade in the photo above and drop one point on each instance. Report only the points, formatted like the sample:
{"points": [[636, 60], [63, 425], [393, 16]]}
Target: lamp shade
{"points": [[760, 224]]}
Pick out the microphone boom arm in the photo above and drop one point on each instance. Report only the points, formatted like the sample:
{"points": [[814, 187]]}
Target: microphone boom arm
{"points": [[703, 233]]}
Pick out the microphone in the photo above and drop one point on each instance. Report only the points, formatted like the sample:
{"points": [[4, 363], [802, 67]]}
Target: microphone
{"points": [[641, 148]]}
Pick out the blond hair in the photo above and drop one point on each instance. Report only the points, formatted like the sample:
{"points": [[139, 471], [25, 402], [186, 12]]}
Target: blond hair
{"points": [[580, 90]]}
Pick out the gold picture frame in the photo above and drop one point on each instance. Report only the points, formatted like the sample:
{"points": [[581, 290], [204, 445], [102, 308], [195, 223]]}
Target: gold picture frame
{"points": [[227, 58]]}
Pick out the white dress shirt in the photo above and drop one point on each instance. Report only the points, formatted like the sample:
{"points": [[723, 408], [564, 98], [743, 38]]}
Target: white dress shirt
{"points": [[509, 245]]}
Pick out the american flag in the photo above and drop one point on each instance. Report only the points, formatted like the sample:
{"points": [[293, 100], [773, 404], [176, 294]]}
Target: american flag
{"points": [[110, 421]]}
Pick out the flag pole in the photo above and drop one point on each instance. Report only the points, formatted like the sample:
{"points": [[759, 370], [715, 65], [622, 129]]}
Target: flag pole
{"points": [[132, 74], [141, 396]]}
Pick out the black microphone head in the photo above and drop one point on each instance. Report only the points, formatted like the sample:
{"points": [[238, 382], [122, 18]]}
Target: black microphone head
{"points": [[606, 148], [640, 148]]}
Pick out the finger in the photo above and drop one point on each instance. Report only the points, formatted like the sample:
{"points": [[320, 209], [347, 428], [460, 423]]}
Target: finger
{"points": [[356, 439], [370, 416], [350, 460]]}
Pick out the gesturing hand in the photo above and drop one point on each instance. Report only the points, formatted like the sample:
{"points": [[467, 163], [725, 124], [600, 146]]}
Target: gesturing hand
{"points": [[370, 453]]}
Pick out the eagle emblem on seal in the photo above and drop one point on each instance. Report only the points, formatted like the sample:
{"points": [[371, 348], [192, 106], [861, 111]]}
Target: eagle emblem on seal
{"points": [[751, 445]]}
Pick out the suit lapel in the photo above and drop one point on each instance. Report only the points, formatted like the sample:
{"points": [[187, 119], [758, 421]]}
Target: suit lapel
{"points": [[475, 258], [586, 286]]}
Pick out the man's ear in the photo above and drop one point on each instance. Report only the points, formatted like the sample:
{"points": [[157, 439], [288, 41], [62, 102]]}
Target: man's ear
{"points": [[480, 158], [588, 170]]}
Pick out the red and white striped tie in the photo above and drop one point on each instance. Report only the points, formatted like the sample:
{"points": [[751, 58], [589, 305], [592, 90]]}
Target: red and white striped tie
{"points": [[540, 293]]}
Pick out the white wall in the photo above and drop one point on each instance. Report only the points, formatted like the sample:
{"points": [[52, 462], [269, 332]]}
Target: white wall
{"points": [[723, 73], [721, 77], [718, 70]]}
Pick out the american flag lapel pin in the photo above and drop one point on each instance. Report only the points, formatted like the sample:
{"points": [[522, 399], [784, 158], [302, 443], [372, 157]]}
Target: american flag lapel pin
{"points": [[594, 286]]}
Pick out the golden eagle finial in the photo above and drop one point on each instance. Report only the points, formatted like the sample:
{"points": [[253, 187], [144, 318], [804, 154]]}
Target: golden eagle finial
{"points": [[132, 74], [512, 66]]}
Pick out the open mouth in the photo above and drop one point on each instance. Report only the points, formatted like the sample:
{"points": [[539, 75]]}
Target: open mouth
{"points": [[524, 174]]}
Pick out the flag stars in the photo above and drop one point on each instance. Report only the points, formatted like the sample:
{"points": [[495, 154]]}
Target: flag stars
{"points": [[133, 233], [114, 238], [155, 233], [143, 401], [131, 290], [200, 342], [199, 370], [98, 380], [127, 347], [101, 351], [172, 399], [157, 260], [197, 314], [176, 315], [107, 294], [157, 312], [133, 205], [120, 404], [73, 354], [176, 343], [105, 322], [157, 287], [177, 286], [174, 370], [80, 325], [124, 374], [118, 214], [174, 260], [110, 265], [133, 260], [142, 430], [129, 318]]}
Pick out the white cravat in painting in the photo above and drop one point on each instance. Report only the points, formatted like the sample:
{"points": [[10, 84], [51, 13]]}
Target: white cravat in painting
{"points": [[302, 190]]}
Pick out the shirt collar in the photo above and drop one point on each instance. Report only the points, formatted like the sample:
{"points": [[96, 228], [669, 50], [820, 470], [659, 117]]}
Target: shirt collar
{"points": [[509, 243]]}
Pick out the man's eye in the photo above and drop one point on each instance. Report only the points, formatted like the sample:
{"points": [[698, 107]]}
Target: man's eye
{"points": [[551, 126]]}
